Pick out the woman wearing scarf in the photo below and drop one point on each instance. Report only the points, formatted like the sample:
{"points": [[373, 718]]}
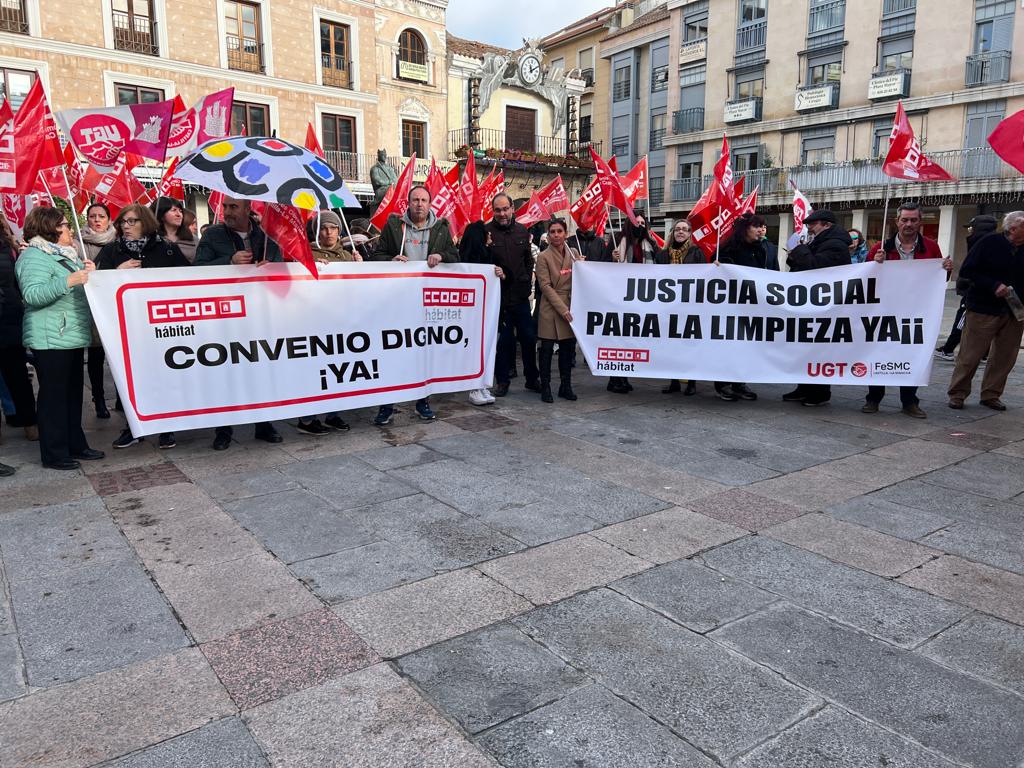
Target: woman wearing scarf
{"points": [[58, 328], [138, 244], [172, 227], [554, 273], [680, 250], [98, 233]]}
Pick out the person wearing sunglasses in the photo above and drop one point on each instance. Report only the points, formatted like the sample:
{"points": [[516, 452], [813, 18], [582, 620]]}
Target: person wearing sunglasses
{"points": [[57, 327], [138, 244], [858, 247]]}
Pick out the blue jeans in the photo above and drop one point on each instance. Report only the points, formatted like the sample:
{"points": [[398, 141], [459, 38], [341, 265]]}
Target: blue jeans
{"points": [[516, 321]]}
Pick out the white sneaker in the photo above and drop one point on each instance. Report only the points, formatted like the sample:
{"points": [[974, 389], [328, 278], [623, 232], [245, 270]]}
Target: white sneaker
{"points": [[480, 397], [487, 393]]}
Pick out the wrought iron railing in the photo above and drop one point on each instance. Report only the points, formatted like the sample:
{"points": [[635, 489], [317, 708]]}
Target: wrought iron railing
{"points": [[336, 70], [825, 17], [892, 7], [587, 76], [749, 37], [501, 141], [620, 91], [987, 68], [135, 33], [245, 54], [13, 17], [687, 120]]}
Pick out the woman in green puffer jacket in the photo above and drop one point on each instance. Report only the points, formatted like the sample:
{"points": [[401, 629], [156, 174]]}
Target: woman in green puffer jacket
{"points": [[57, 328]]}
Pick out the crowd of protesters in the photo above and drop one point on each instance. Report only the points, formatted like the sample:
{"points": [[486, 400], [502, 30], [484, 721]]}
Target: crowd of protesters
{"points": [[45, 318]]}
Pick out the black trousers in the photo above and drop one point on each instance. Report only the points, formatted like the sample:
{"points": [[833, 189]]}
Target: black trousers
{"points": [[61, 382], [261, 426], [957, 331], [816, 393], [15, 376], [908, 395], [95, 366]]}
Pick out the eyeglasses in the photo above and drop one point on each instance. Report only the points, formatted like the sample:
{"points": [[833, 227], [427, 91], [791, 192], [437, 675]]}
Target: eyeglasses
{"points": [[131, 222], [63, 225]]}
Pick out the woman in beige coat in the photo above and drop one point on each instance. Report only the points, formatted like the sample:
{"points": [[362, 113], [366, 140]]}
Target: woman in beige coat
{"points": [[554, 273]]}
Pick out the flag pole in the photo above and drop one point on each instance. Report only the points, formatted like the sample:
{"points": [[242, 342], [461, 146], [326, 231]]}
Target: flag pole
{"points": [[576, 234], [348, 232], [317, 227], [885, 210], [608, 213], [718, 239], [71, 202]]}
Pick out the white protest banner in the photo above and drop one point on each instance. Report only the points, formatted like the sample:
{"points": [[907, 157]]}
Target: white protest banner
{"points": [[207, 346], [860, 324]]}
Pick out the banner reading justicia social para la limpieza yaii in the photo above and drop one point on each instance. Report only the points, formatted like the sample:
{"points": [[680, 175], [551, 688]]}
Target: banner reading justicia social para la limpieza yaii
{"points": [[207, 346], [859, 324]]}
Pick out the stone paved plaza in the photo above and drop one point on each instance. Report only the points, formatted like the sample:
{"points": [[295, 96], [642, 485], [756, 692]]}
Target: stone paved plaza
{"points": [[645, 580]]}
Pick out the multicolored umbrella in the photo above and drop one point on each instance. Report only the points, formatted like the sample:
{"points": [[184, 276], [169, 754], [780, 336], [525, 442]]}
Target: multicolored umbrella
{"points": [[260, 168]]}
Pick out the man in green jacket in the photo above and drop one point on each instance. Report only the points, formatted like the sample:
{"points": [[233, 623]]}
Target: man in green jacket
{"points": [[416, 235]]}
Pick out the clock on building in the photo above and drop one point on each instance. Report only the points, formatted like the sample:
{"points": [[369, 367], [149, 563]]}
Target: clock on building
{"points": [[529, 69]]}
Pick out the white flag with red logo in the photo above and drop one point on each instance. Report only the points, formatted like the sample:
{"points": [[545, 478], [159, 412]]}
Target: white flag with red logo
{"points": [[801, 210], [905, 159], [101, 135], [15, 209], [209, 119]]}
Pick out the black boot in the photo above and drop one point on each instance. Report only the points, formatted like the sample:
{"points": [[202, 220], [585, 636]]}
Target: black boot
{"points": [[546, 353], [691, 388], [673, 386], [565, 355]]}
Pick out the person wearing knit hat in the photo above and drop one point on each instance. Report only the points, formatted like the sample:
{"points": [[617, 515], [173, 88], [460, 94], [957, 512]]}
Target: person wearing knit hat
{"points": [[328, 245]]}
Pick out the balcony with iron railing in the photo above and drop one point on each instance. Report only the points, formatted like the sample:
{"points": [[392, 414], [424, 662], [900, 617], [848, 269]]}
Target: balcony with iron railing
{"points": [[987, 68], [688, 120], [587, 76], [548, 150], [751, 37], [245, 55], [977, 170], [657, 140], [337, 72], [135, 33], [826, 17], [620, 91], [896, 7], [13, 17]]}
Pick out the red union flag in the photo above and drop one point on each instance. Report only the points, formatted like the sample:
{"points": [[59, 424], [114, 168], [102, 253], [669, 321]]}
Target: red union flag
{"points": [[35, 139], [286, 226], [611, 187], [589, 212], [634, 183], [533, 211], [209, 119], [905, 159], [101, 135], [712, 219], [8, 175], [553, 195], [1008, 140], [723, 169], [16, 208], [396, 199], [312, 142]]}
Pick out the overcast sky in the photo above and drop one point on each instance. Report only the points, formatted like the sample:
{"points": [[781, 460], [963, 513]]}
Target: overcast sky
{"points": [[485, 20]]}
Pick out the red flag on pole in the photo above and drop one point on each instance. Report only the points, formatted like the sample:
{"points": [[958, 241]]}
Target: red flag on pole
{"points": [[312, 142], [589, 212], [35, 139], [634, 183], [553, 196], [286, 226], [8, 157], [396, 199], [532, 211], [611, 187], [801, 209], [905, 159], [118, 185], [1008, 140], [216, 203]]}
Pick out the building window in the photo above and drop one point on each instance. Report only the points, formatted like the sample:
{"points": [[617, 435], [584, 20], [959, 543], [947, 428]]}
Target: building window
{"points": [[250, 119], [620, 147], [818, 146], [880, 140], [753, 10], [137, 94], [746, 157], [659, 79], [621, 83], [659, 124], [134, 27], [13, 17], [334, 54], [414, 138], [656, 190], [895, 54], [585, 58], [586, 112], [521, 129], [244, 36], [695, 22], [750, 85], [339, 133], [898, 16], [558, 63], [412, 57], [824, 73], [16, 85], [691, 170]]}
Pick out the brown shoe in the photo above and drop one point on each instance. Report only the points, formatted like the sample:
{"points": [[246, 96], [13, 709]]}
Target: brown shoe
{"points": [[915, 411], [994, 403], [956, 403], [32, 433], [869, 407]]}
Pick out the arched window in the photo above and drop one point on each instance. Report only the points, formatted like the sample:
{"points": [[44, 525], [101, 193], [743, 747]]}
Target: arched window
{"points": [[412, 48]]}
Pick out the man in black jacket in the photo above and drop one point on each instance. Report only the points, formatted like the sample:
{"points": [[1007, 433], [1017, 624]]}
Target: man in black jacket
{"points": [[239, 240], [510, 250], [829, 247], [995, 268], [978, 227]]}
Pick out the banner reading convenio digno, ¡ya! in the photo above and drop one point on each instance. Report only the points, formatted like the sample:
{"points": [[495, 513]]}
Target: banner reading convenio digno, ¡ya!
{"points": [[206, 346], [860, 324]]}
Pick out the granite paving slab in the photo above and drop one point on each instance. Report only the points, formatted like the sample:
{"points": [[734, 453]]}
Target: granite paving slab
{"points": [[12, 671], [541, 521], [136, 478], [979, 586], [298, 525], [414, 616], [668, 535], [361, 571], [223, 743], [106, 615], [225, 487], [489, 676], [888, 517], [396, 457], [875, 605], [982, 543], [956, 504], [468, 489], [835, 738], [346, 482], [590, 727], [903, 691], [562, 568], [810, 490], [695, 596], [993, 475], [182, 537], [273, 660], [368, 718], [112, 713], [984, 647], [720, 702], [744, 509], [854, 545]]}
